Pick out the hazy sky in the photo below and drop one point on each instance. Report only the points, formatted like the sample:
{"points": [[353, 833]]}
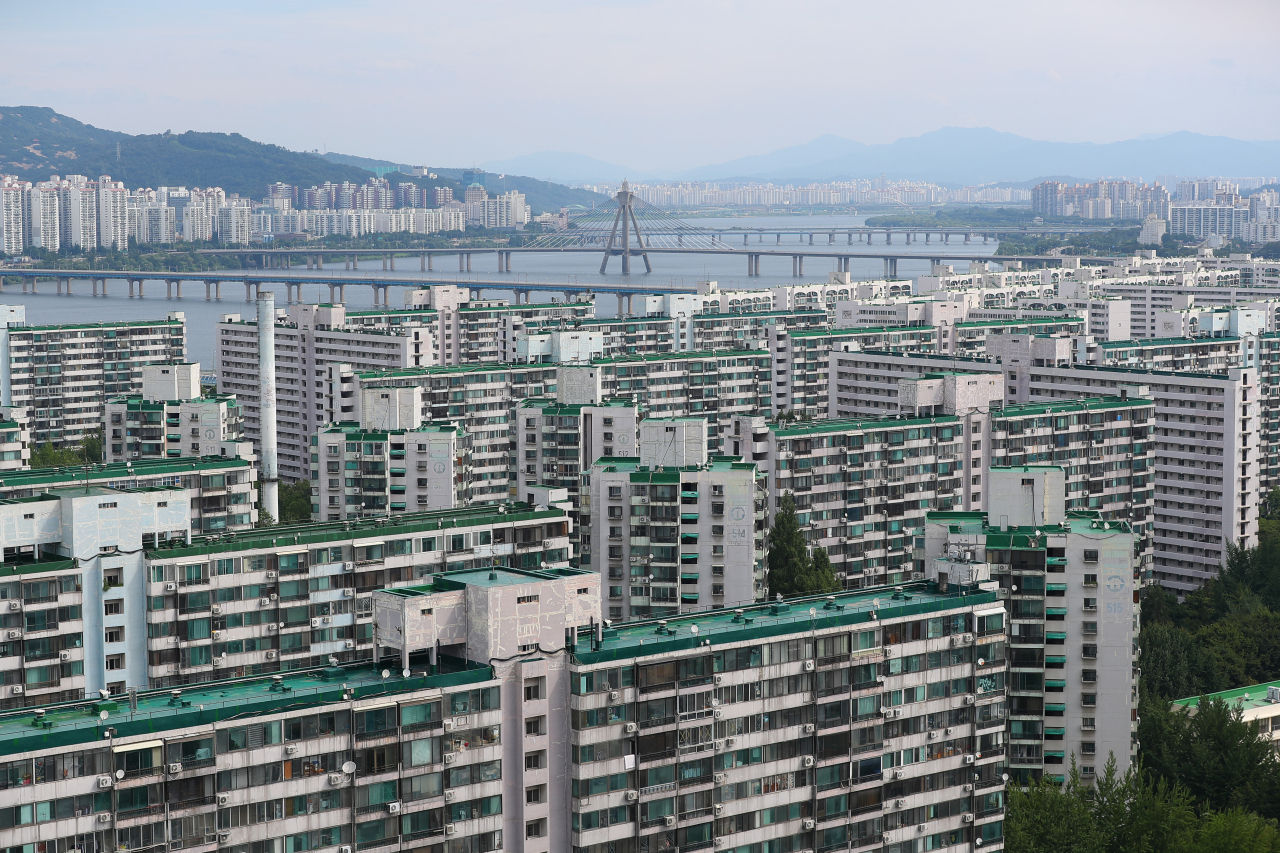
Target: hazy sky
{"points": [[666, 84]]}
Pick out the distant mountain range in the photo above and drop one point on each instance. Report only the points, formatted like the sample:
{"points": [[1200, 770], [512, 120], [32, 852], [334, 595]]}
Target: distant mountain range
{"points": [[36, 142], [951, 155]]}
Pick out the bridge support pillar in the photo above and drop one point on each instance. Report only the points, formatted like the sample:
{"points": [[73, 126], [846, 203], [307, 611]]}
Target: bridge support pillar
{"points": [[888, 237], [168, 288], [850, 238], [141, 287], [927, 236], [891, 268], [967, 237], [331, 294], [422, 262], [985, 238], [431, 262], [744, 239], [95, 286], [801, 259], [342, 294], [217, 290], [810, 238], [384, 262], [831, 238], [461, 263], [779, 238], [794, 265], [208, 292], [392, 261]]}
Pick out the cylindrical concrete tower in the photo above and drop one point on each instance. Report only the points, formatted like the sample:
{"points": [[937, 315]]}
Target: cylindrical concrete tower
{"points": [[267, 403]]}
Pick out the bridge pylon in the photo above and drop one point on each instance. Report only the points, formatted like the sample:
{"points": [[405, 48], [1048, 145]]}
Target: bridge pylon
{"points": [[626, 219]]}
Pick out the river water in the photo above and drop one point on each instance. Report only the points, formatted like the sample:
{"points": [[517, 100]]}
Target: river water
{"points": [[48, 307]]}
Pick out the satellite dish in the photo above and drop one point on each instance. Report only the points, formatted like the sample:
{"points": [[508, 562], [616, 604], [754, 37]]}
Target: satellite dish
{"points": [[981, 662], [386, 673], [693, 629], [349, 767], [875, 602], [405, 673], [119, 774], [1004, 777], [813, 611], [102, 715]]}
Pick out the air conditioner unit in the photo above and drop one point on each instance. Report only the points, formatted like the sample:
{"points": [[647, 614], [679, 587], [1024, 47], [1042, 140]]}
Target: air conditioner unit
{"points": [[271, 655], [274, 597], [350, 644], [459, 723], [449, 829], [17, 691], [271, 626], [897, 774], [809, 728], [968, 638], [719, 807], [348, 567], [809, 824], [730, 741], [326, 620], [15, 605], [64, 655], [175, 767], [104, 818], [336, 778], [264, 602], [344, 849], [171, 587], [950, 730], [217, 635], [969, 759], [969, 700], [718, 714], [450, 758], [105, 781], [632, 728], [291, 749], [644, 500], [806, 761], [669, 821], [449, 795], [615, 695], [897, 712], [967, 817], [223, 799], [347, 592], [901, 803], [315, 622], [968, 789], [632, 796], [224, 835], [808, 666], [719, 679], [718, 778], [271, 575], [932, 735]]}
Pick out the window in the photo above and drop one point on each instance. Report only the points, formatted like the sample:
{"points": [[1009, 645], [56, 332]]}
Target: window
{"points": [[1090, 580], [535, 828], [1090, 555], [535, 760], [534, 727], [1089, 675], [532, 689], [1088, 747], [1089, 627], [115, 635], [115, 662], [527, 599], [1091, 604], [1089, 650], [1089, 699], [533, 796], [615, 491], [114, 607]]}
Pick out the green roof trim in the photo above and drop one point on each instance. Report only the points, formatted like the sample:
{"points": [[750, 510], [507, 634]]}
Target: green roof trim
{"points": [[54, 477]]}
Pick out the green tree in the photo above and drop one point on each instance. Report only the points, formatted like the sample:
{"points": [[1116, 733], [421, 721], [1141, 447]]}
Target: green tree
{"points": [[1048, 818], [295, 502], [823, 577], [789, 561]]}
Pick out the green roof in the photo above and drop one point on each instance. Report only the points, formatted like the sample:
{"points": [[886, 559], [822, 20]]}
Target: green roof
{"points": [[1248, 698], [318, 533], [679, 356], [1027, 537], [53, 477], [858, 424], [352, 431], [858, 330], [491, 577], [1027, 321], [1091, 404], [58, 327], [551, 407], [1144, 343], [204, 704], [437, 370], [718, 627], [667, 473]]}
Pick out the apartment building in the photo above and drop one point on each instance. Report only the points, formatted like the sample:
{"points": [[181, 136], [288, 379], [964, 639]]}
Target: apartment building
{"points": [[457, 737], [867, 718], [553, 341], [61, 375], [361, 472], [481, 399], [308, 340], [864, 383], [1206, 437], [173, 418], [970, 338], [1068, 582], [484, 326], [557, 442], [716, 385], [801, 360], [15, 439], [673, 529], [219, 490], [343, 756]]}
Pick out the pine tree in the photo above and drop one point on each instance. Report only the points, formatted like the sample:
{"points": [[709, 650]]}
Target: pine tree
{"points": [[822, 578], [789, 563]]}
